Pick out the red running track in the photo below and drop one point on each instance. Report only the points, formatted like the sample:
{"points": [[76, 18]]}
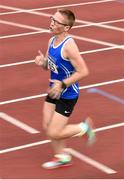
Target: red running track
{"points": [[19, 81]]}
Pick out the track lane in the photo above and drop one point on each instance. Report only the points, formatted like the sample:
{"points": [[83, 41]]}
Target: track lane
{"points": [[47, 3], [101, 34], [7, 29], [32, 159], [104, 12], [26, 47], [118, 24], [32, 83], [23, 48]]}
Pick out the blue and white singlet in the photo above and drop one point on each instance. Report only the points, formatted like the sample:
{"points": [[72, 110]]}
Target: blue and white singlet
{"points": [[61, 68]]}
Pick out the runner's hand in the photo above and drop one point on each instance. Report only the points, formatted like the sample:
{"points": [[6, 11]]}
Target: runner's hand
{"points": [[39, 60], [55, 91]]}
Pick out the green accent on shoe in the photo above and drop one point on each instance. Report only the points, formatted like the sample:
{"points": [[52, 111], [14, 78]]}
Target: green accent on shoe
{"points": [[90, 133], [84, 128], [60, 160]]}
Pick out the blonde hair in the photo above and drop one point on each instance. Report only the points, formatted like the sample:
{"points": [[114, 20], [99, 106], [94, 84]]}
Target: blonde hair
{"points": [[69, 14]]}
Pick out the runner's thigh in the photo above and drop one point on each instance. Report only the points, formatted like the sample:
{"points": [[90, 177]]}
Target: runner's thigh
{"points": [[48, 111], [57, 124]]}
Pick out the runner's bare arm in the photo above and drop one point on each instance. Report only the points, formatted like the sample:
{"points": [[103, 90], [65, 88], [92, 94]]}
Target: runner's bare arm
{"points": [[71, 52], [42, 60]]}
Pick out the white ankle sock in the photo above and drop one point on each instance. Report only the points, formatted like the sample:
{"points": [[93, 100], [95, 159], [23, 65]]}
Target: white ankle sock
{"points": [[84, 127]]}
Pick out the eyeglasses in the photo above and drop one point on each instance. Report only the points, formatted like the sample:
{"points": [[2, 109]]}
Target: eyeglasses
{"points": [[57, 22]]}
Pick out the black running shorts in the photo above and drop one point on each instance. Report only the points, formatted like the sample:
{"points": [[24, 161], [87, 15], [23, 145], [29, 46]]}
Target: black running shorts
{"points": [[63, 106]]}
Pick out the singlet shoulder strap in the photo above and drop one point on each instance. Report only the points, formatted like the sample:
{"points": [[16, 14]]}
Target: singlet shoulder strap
{"points": [[61, 43], [52, 41], [66, 39]]}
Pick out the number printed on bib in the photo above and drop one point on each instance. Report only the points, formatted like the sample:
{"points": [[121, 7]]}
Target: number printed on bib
{"points": [[52, 66]]}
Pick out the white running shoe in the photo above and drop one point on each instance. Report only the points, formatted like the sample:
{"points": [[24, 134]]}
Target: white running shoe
{"points": [[87, 127], [60, 160]]}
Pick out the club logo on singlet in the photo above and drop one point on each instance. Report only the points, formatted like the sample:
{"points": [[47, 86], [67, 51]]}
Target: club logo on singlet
{"points": [[52, 66]]}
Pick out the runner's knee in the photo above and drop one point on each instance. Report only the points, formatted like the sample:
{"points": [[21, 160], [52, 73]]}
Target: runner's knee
{"points": [[53, 134]]}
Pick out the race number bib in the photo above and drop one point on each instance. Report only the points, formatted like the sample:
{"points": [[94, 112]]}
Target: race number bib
{"points": [[52, 66]]}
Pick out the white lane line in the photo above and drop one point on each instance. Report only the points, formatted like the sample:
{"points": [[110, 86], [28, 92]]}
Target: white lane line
{"points": [[25, 11], [95, 41], [48, 141], [89, 25], [46, 14], [100, 25], [24, 146], [80, 21], [22, 99], [109, 127], [74, 36], [18, 63], [103, 22], [18, 123], [102, 83], [54, 7], [22, 25], [22, 34], [90, 161], [42, 95], [83, 52], [102, 49], [74, 27]]}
